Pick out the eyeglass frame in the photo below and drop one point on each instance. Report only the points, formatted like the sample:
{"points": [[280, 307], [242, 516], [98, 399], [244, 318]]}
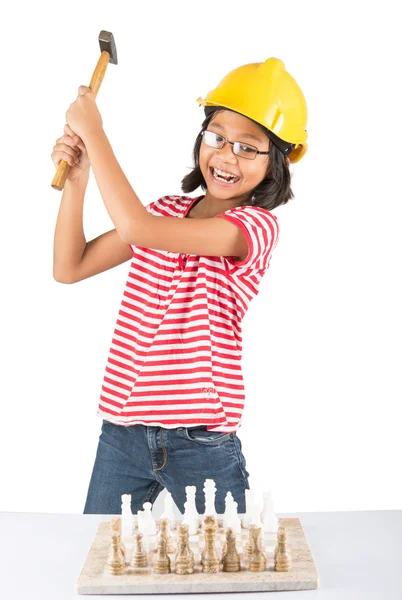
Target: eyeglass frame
{"points": [[225, 141]]}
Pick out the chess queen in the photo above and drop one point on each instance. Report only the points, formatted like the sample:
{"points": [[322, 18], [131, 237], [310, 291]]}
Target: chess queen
{"points": [[173, 395]]}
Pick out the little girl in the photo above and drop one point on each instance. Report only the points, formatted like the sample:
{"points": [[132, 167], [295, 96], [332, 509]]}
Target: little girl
{"points": [[173, 394]]}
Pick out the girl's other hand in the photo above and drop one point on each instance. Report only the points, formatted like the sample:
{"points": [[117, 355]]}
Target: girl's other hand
{"points": [[71, 148]]}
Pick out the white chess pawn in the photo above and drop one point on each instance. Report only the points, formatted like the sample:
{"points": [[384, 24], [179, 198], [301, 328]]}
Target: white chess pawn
{"points": [[246, 520], [147, 521], [126, 517], [146, 543], [268, 517], [142, 528], [189, 520], [140, 514], [255, 515], [168, 511], [233, 520]]}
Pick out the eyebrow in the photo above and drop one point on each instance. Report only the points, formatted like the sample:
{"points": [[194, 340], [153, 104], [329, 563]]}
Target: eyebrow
{"points": [[244, 135]]}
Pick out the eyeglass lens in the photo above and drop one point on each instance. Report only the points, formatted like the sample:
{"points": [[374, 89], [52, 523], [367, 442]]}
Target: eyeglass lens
{"points": [[216, 141]]}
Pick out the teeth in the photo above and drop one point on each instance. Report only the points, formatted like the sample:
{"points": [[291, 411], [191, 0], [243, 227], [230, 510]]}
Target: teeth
{"points": [[224, 173]]}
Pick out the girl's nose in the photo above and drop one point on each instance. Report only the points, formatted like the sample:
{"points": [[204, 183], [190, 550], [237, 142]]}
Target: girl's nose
{"points": [[228, 154]]}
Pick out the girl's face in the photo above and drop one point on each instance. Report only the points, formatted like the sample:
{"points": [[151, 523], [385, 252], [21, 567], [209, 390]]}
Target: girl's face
{"points": [[235, 128]]}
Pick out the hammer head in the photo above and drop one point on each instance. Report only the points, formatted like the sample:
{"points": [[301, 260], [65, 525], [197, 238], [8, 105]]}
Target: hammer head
{"points": [[106, 42]]}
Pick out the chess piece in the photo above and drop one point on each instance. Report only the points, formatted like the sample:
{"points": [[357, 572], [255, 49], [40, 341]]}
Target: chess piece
{"points": [[117, 557], [230, 556], [164, 531], [228, 509], [282, 557], [255, 512], [161, 560], [126, 517], [142, 528], [116, 525], [257, 560], [249, 544], [209, 556], [209, 493], [233, 520], [168, 511], [268, 517], [210, 520], [184, 559], [191, 516], [246, 520], [147, 523], [139, 556]]}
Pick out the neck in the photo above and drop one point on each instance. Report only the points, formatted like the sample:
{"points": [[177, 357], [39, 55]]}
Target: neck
{"points": [[210, 205]]}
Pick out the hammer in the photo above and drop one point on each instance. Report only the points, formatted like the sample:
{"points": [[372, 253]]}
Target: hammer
{"points": [[108, 55]]}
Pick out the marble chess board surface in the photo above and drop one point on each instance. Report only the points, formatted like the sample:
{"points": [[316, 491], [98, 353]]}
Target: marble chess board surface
{"points": [[95, 577]]}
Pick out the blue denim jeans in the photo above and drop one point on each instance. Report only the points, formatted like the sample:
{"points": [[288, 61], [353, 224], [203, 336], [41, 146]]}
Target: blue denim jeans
{"points": [[142, 460]]}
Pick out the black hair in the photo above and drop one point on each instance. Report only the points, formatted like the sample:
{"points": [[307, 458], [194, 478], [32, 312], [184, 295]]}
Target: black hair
{"points": [[271, 192]]}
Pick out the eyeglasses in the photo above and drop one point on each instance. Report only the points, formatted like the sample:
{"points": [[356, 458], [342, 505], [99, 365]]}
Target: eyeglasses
{"points": [[218, 141]]}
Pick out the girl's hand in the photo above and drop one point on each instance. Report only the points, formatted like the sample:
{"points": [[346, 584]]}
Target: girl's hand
{"points": [[83, 115], [73, 151]]}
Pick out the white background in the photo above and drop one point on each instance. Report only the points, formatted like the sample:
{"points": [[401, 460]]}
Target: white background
{"points": [[322, 341]]}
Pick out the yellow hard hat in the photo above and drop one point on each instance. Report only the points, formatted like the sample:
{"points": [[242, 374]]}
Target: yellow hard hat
{"points": [[267, 94]]}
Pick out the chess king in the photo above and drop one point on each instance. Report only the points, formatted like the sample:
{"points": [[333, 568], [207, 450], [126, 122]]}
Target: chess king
{"points": [[173, 395]]}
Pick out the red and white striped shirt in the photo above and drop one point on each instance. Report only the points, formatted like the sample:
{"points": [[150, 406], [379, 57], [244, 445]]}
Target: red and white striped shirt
{"points": [[175, 357]]}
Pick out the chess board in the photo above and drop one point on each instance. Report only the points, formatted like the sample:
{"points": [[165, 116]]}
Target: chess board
{"points": [[96, 579]]}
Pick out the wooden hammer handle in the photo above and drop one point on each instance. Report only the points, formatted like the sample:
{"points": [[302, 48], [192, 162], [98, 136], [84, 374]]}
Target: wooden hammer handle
{"points": [[63, 167]]}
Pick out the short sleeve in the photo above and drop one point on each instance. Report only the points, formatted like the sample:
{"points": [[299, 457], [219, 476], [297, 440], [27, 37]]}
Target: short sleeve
{"points": [[261, 230], [150, 206]]}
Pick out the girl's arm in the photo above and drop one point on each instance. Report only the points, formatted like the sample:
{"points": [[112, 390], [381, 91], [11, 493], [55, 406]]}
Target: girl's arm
{"points": [[203, 237], [102, 253], [74, 258], [69, 238]]}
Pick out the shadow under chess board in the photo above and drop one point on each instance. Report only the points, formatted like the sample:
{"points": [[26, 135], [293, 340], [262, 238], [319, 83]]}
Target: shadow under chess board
{"points": [[96, 579]]}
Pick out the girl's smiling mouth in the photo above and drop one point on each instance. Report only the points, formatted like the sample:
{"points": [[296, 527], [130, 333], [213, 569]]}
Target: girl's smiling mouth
{"points": [[220, 181]]}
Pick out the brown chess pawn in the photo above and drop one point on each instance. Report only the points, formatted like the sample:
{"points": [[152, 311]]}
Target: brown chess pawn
{"points": [[230, 556], [184, 559], [224, 544], [209, 557], [280, 531], [249, 543], [161, 560], [282, 557], [257, 560], [164, 531], [139, 556], [116, 526], [117, 557]]}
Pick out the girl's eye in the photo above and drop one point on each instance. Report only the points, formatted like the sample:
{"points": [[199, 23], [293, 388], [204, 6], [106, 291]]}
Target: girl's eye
{"points": [[247, 149]]}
